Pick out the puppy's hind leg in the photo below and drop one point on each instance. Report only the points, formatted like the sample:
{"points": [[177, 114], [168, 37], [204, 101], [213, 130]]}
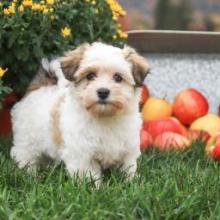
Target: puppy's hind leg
{"points": [[26, 157]]}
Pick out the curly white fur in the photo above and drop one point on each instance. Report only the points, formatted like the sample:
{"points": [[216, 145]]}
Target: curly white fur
{"points": [[86, 142]]}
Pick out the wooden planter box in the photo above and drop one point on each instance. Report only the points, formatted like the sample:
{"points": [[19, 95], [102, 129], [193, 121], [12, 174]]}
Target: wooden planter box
{"points": [[174, 41]]}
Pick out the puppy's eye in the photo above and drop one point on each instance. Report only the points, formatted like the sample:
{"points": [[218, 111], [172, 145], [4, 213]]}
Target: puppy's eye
{"points": [[117, 78], [91, 76]]}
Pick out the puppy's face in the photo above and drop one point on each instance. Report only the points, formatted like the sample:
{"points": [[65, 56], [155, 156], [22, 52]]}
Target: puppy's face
{"points": [[104, 79], [104, 90]]}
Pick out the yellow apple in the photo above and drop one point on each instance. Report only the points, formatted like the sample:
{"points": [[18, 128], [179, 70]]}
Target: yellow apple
{"points": [[155, 109], [209, 123]]}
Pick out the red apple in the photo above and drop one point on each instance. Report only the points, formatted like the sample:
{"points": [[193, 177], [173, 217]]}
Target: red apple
{"points": [[156, 127], [200, 135], [189, 105], [171, 140], [216, 152], [144, 94], [213, 147], [146, 140]]}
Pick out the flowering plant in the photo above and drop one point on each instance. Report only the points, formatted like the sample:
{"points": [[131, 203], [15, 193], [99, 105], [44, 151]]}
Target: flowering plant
{"points": [[33, 29], [3, 89]]}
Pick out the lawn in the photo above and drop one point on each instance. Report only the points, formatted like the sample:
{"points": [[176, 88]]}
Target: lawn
{"points": [[175, 185]]}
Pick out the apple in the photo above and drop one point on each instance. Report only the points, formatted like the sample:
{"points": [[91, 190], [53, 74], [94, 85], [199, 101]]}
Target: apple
{"points": [[213, 147], [144, 94], [209, 123], [146, 140], [216, 152], [156, 127], [189, 105], [171, 140], [200, 135], [156, 108]]}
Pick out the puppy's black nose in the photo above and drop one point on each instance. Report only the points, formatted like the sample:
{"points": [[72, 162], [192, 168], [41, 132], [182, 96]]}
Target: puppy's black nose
{"points": [[103, 93]]}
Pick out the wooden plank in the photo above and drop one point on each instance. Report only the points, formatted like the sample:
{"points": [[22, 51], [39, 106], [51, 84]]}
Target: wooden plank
{"points": [[174, 41]]}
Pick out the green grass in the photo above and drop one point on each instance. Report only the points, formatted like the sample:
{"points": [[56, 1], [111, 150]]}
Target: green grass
{"points": [[175, 185]]}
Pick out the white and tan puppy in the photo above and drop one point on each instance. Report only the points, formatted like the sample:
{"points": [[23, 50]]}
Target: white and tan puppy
{"points": [[87, 116]]}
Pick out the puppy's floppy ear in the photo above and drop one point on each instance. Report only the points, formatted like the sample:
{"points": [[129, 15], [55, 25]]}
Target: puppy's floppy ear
{"points": [[71, 60], [140, 67]]}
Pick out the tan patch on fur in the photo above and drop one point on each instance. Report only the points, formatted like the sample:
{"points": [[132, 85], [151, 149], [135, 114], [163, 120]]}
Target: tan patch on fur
{"points": [[140, 67], [42, 78], [55, 119], [71, 61]]}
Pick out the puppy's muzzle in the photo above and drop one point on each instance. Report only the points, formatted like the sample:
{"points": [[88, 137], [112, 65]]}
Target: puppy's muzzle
{"points": [[103, 94]]}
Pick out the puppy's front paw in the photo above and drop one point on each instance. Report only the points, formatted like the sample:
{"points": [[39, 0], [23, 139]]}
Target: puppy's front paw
{"points": [[130, 167], [91, 171]]}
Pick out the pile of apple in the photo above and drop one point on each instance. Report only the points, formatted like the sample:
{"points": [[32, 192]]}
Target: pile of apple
{"points": [[176, 125]]}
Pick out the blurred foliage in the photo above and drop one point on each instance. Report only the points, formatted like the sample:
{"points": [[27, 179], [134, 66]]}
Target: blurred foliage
{"points": [[173, 15], [33, 29], [3, 89]]}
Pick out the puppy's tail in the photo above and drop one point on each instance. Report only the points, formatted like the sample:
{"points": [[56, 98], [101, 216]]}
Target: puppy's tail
{"points": [[45, 64], [50, 73], [54, 67]]}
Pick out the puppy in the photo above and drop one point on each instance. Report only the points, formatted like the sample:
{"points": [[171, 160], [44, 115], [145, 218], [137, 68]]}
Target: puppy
{"points": [[82, 109]]}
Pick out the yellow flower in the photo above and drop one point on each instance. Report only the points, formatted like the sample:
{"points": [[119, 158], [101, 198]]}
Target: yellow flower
{"points": [[6, 11], [116, 9], [122, 34], [2, 71], [96, 11], [46, 10], [65, 31], [27, 3], [21, 8], [36, 7], [9, 10], [50, 2], [115, 18]]}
